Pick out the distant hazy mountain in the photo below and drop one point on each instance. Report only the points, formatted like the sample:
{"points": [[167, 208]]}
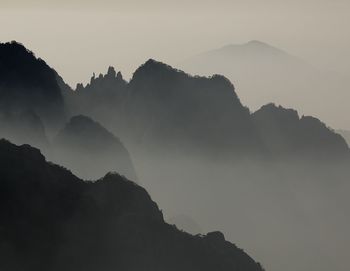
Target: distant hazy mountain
{"points": [[263, 74], [27, 83], [52, 220], [89, 150]]}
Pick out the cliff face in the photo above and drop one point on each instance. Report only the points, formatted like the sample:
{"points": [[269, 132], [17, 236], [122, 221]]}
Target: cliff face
{"points": [[52, 220]]}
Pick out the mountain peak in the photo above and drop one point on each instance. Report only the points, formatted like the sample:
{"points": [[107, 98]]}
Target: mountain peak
{"points": [[154, 64], [28, 82], [257, 43], [250, 47], [111, 72], [90, 150]]}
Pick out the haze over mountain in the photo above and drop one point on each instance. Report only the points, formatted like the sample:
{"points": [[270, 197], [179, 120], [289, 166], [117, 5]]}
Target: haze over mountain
{"points": [[199, 151], [285, 133], [89, 150], [24, 127], [263, 74], [52, 220], [27, 83], [163, 108], [254, 152]]}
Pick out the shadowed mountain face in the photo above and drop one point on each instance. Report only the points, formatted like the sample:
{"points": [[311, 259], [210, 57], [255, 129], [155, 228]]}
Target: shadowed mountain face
{"points": [[51, 220], [103, 96], [28, 83], [166, 109], [263, 74], [285, 133], [345, 134], [24, 127], [185, 223], [90, 151]]}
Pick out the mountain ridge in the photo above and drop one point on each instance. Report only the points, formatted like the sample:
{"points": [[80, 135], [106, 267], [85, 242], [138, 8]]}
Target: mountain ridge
{"points": [[60, 220]]}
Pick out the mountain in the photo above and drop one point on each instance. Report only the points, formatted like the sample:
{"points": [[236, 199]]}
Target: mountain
{"points": [[185, 223], [52, 220], [89, 150], [168, 107], [285, 133], [345, 134], [104, 95], [263, 73], [24, 127], [163, 109], [27, 83]]}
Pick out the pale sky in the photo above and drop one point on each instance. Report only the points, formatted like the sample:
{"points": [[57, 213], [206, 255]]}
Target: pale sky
{"points": [[80, 37]]}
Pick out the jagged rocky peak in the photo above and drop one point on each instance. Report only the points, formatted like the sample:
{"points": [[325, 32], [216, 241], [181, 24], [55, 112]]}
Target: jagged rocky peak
{"points": [[111, 72], [79, 87], [108, 82]]}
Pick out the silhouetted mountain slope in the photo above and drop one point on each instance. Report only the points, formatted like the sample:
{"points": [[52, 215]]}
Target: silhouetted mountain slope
{"points": [[165, 107], [263, 73], [104, 94], [160, 109], [24, 127], [28, 83], [89, 150], [51, 220], [285, 133], [185, 223], [345, 134]]}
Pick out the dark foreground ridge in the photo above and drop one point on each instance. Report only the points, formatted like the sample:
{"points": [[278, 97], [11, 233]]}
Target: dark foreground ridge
{"points": [[52, 220]]}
